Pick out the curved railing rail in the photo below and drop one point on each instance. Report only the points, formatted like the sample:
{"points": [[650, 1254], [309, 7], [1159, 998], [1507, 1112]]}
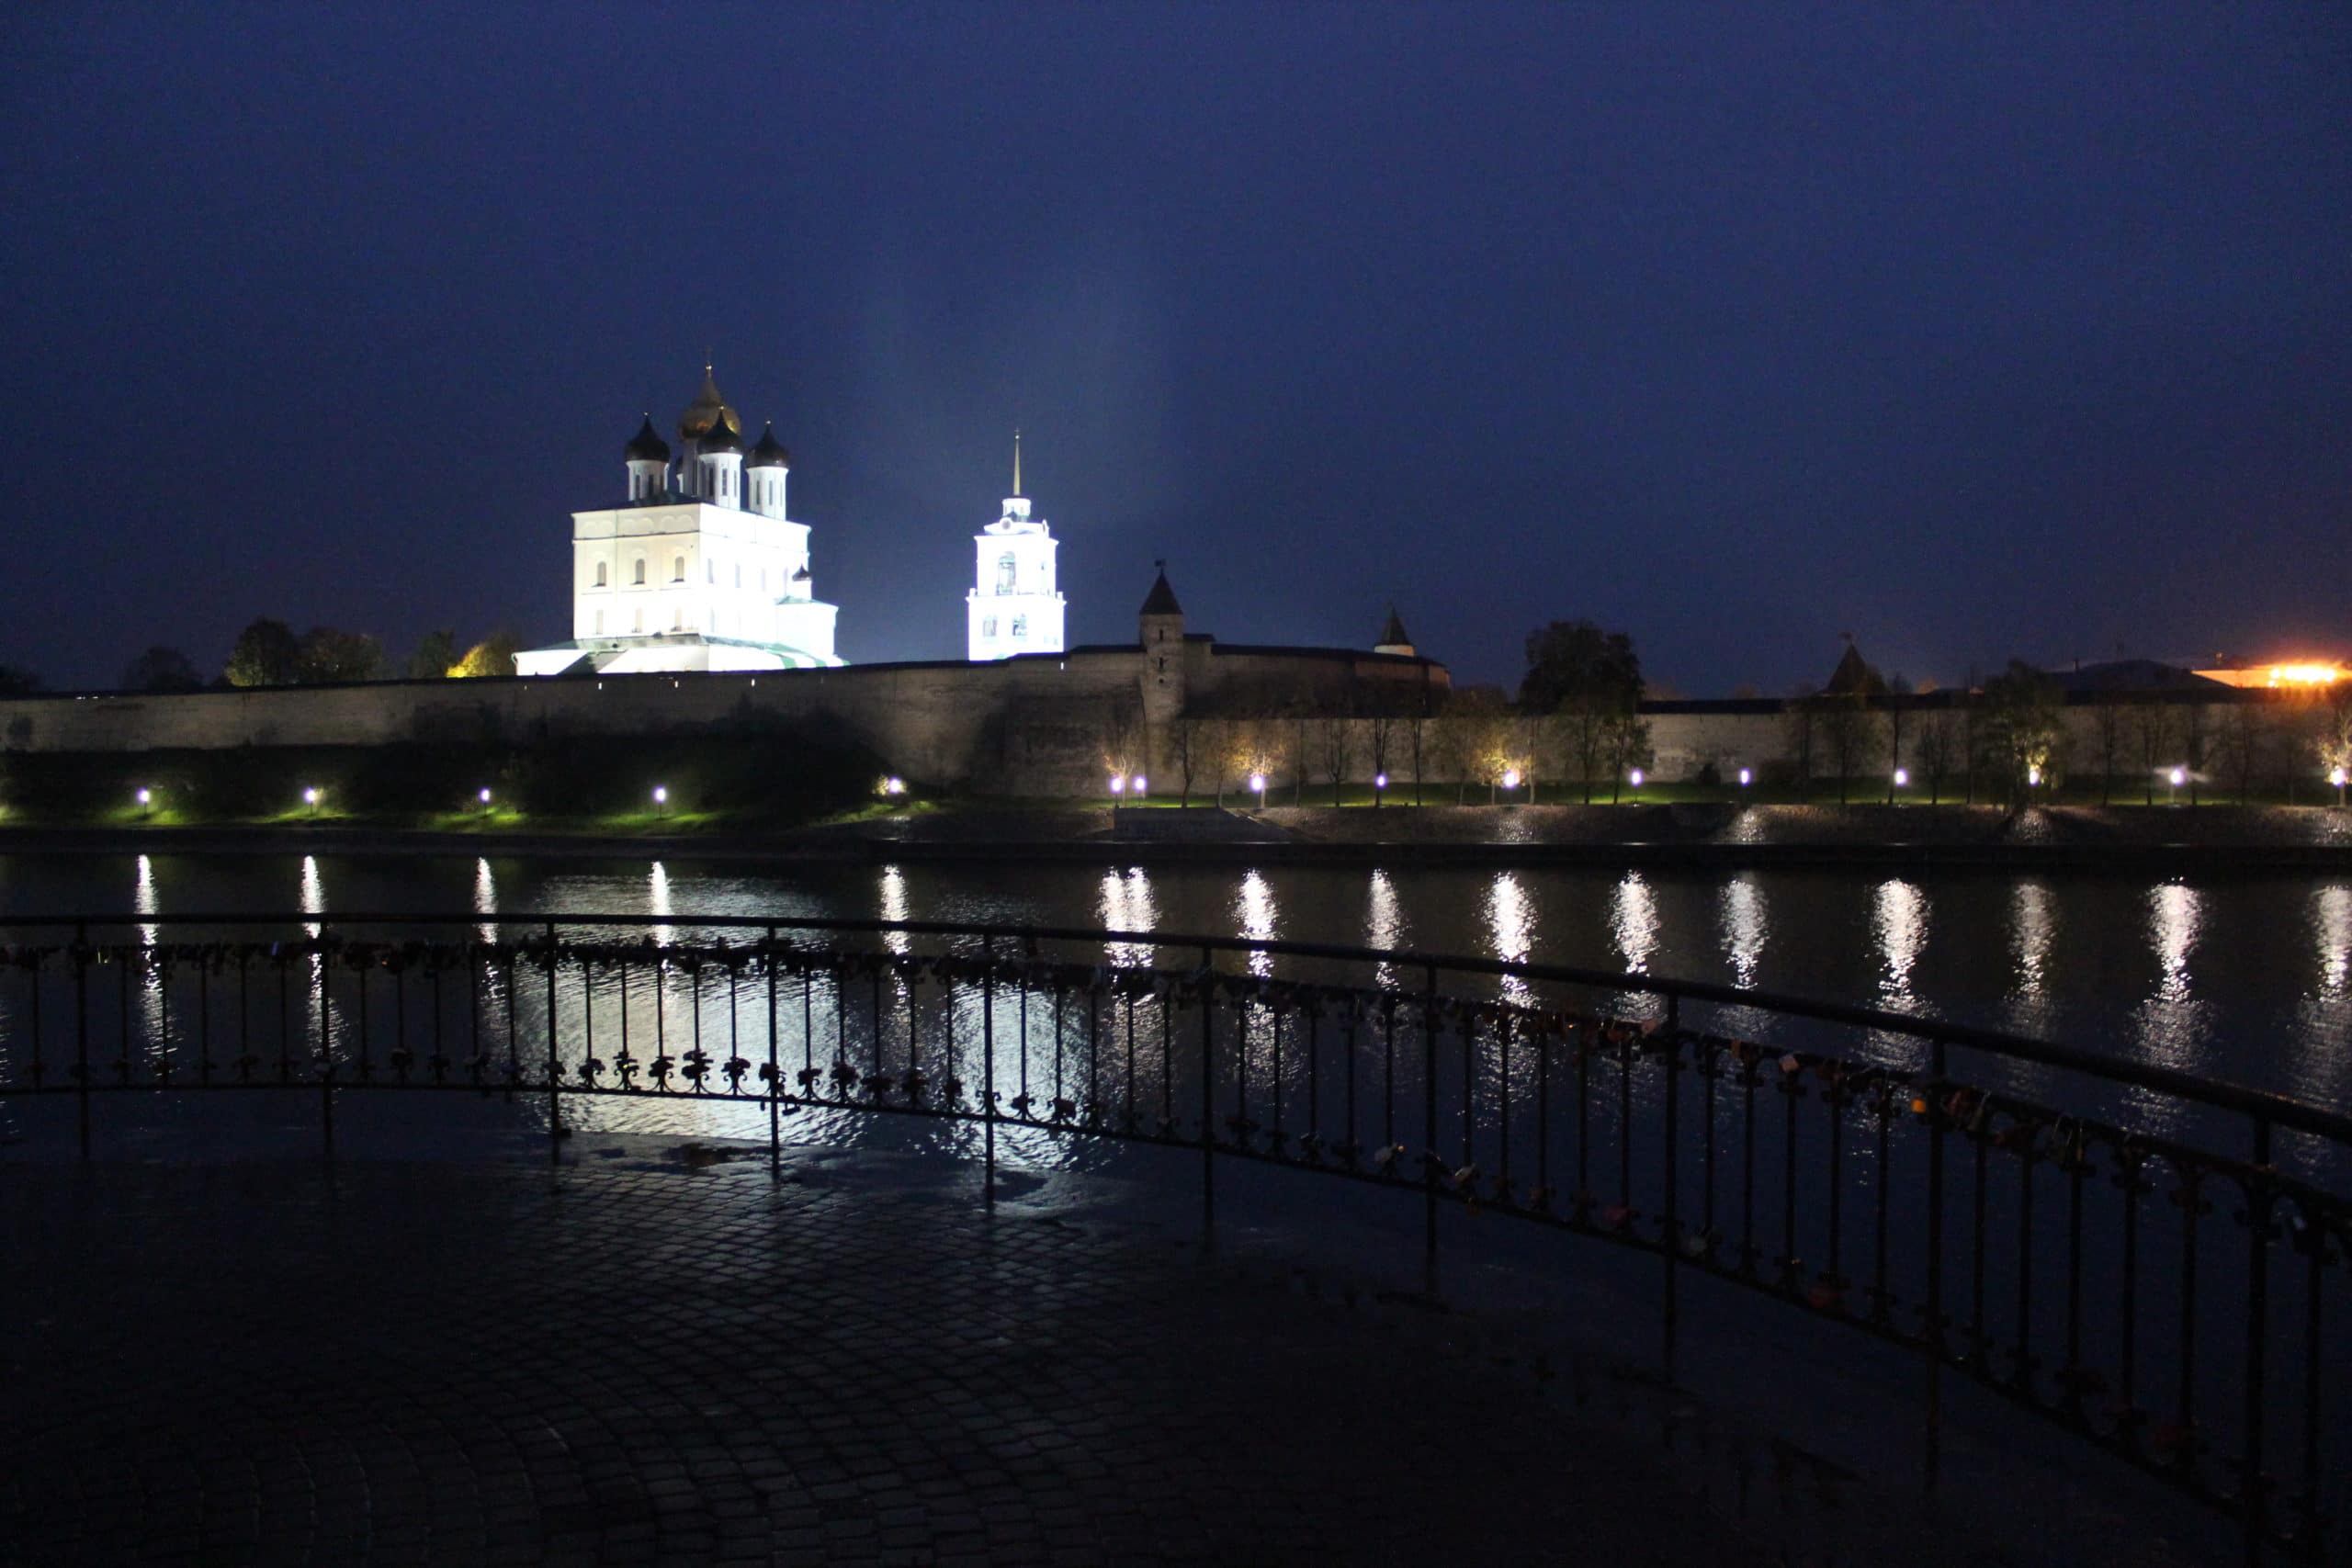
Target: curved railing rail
{"points": [[2043, 1224]]}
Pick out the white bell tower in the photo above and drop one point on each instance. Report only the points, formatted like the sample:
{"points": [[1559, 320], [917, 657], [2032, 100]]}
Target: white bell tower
{"points": [[1013, 606]]}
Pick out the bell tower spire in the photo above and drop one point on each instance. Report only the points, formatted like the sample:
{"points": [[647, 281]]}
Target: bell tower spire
{"points": [[1016, 460]]}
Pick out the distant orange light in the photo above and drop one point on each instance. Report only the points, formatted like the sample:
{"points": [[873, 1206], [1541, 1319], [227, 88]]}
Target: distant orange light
{"points": [[2305, 674]]}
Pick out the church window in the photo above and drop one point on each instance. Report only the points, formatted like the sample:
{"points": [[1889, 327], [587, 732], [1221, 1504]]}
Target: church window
{"points": [[1019, 627], [1004, 569], [677, 569], [987, 626], [600, 574], [641, 572]]}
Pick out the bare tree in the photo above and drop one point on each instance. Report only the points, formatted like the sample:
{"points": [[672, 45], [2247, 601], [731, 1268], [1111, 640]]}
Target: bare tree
{"points": [[1184, 750], [1122, 729], [1629, 748], [1851, 731], [1334, 747], [2106, 722], [1215, 741], [1798, 719], [1380, 738], [2151, 732], [2243, 733], [1938, 746]]}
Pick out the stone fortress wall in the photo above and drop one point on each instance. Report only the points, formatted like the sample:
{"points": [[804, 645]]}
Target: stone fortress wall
{"points": [[1057, 724]]}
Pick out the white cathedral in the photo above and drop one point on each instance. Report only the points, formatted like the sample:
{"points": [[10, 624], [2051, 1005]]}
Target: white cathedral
{"points": [[702, 569]]}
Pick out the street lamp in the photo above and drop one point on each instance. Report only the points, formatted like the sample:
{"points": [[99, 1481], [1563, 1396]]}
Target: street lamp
{"points": [[147, 800], [2334, 776], [1380, 783], [1118, 783], [2033, 776], [894, 785], [483, 796], [1745, 778], [2177, 778], [1258, 783], [311, 798], [1142, 786], [661, 799], [1634, 778]]}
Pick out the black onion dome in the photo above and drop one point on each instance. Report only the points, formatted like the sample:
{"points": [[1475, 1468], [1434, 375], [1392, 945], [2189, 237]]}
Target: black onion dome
{"points": [[647, 447], [719, 438], [770, 452]]}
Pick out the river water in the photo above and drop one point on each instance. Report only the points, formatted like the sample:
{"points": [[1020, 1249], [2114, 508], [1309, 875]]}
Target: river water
{"points": [[2246, 979]]}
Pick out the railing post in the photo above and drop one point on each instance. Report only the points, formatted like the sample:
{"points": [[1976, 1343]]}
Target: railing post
{"points": [[82, 1028], [1932, 1439], [2258, 1338], [555, 1066], [987, 1068], [1428, 1127], [1208, 1090], [775, 1073], [1671, 1232]]}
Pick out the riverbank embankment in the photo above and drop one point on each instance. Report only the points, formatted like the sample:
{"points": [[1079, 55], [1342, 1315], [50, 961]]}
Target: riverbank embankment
{"points": [[2202, 840]]}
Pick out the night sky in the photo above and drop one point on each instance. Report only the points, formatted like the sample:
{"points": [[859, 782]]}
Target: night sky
{"points": [[1971, 330]]}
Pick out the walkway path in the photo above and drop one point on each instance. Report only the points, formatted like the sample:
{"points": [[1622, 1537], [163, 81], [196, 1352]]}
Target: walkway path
{"points": [[639, 1361]]}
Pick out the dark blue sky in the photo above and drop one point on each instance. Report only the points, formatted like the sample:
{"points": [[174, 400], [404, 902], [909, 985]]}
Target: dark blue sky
{"points": [[1972, 330]]}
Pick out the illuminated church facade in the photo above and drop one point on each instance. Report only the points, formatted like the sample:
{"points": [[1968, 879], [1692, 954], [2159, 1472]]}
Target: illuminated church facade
{"points": [[1015, 606], [700, 568]]}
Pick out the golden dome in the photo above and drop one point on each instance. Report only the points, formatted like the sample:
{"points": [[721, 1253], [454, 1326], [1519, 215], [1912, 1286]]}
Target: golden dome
{"points": [[707, 409]]}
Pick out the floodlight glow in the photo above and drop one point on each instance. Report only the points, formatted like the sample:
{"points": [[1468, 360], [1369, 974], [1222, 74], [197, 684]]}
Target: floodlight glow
{"points": [[660, 794], [2032, 777], [1637, 777], [1901, 778], [1745, 778], [1511, 778], [484, 797], [2179, 777], [1142, 783], [1258, 783], [144, 797], [310, 796], [1379, 781], [1118, 784], [893, 785], [2334, 776]]}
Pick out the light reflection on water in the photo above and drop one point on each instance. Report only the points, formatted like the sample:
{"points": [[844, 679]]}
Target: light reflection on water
{"points": [[2246, 978]]}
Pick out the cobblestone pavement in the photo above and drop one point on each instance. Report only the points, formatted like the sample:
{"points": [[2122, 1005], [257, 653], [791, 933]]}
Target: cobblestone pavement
{"points": [[634, 1362]]}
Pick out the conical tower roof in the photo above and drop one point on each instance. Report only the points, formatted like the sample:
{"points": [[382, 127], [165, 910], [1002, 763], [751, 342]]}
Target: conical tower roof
{"points": [[1162, 600], [1393, 633]]}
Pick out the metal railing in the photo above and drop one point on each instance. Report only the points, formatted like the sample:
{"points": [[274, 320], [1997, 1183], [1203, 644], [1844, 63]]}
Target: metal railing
{"points": [[2151, 1260]]}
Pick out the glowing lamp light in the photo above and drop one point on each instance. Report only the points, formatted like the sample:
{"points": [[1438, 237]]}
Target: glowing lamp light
{"points": [[1141, 784], [483, 796], [893, 785], [144, 797], [1118, 784], [1379, 781], [1745, 778], [1901, 778], [2180, 777], [1258, 783], [2334, 776], [1511, 778], [2033, 777], [1635, 776]]}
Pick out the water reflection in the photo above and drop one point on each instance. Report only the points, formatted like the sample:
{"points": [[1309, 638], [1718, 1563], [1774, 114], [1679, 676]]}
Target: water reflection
{"points": [[1127, 905], [2332, 929], [1744, 928], [1511, 928], [893, 908], [1254, 907], [1899, 930], [1632, 923], [2170, 1025], [2033, 924], [1384, 924], [486, 899], [657, 901]]}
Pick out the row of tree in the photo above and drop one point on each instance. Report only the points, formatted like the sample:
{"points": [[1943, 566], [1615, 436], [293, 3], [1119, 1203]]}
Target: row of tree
{"points": [[271, 653]]}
